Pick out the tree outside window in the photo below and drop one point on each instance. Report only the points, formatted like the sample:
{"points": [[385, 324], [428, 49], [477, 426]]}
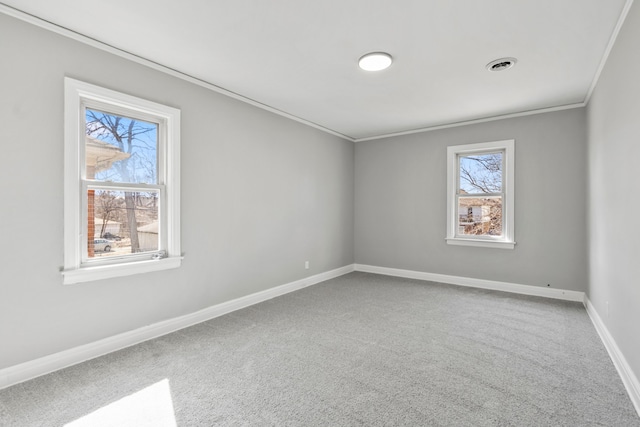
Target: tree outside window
{"points": [[119, 214], [480, 188]]}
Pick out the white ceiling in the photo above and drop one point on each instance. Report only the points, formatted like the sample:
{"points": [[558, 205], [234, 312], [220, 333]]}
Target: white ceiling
{"points": [[300, 57]]}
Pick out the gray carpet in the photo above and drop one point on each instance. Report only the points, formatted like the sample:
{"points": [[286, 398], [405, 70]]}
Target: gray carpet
{"points": [[361, 349]]}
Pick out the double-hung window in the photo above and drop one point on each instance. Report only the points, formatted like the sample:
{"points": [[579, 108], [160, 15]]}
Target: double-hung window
{"points": [[122, 171], [480, 194]]}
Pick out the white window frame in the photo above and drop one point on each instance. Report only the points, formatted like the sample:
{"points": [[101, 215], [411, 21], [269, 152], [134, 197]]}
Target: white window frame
{"points": [[507, 240], [79, 96]]}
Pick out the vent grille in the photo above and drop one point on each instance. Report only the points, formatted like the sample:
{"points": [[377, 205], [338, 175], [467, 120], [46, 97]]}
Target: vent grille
{"points": [[501, 64]]}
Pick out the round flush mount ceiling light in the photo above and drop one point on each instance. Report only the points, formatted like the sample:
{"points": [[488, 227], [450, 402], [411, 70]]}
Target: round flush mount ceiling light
{"points": [[375, 61], [501, 64]]}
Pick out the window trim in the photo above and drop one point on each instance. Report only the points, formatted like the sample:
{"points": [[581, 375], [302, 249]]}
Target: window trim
{"points": [[506, 241], [77, 95]]}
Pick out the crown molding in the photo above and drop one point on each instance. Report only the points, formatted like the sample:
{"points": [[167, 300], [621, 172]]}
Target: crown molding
{"points": [[607, 51], [7, 10], [473, 122], [39, 22]]}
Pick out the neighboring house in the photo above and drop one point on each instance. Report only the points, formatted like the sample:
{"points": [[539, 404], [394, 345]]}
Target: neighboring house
{"points": [[148, 237], [100, 156], [480, 216], [470, 214]]}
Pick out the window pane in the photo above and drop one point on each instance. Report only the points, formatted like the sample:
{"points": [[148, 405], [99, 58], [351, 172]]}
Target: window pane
{"points": [[120, 149], [122, 223], [481, 173], [480, 216]]}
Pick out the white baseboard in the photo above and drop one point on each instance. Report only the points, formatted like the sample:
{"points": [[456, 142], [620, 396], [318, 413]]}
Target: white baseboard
{"points": [[629, 379], [29, 370], [476, 283], [44, 365]]}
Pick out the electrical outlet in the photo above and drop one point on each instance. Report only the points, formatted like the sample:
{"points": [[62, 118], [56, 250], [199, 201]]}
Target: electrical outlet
{"points": [[306, 265]]}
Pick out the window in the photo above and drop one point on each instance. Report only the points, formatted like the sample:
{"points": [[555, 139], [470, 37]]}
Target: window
{"points": [[122, 172], [480, 194]]}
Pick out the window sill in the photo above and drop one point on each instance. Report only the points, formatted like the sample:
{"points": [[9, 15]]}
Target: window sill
{"points": [[498, 244], [88, 274]]}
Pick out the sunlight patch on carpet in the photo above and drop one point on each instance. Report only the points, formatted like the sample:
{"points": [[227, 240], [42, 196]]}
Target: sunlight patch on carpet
{"points": [[151, 406]]}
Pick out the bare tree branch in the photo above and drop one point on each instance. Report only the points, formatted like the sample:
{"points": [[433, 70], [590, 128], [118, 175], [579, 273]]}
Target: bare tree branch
{"points": [[484, 174], [129, 136]]}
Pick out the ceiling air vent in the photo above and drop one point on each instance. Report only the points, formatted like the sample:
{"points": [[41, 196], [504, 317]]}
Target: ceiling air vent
{"points": [[501, 64]]}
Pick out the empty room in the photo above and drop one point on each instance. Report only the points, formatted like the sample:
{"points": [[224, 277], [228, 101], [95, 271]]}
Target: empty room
{"points": [[319, 213]]}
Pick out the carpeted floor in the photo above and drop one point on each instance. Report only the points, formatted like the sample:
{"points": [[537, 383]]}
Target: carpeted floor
{"points": [[361, 349]]}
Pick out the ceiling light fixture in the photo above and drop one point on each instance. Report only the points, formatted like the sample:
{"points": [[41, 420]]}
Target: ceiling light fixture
{"points": [[375, 61], [501, 64]]}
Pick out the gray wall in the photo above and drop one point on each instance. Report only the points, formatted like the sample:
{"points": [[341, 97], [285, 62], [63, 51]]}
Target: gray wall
{"points": [[260, 195], [401, 202], [614, 204]]}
